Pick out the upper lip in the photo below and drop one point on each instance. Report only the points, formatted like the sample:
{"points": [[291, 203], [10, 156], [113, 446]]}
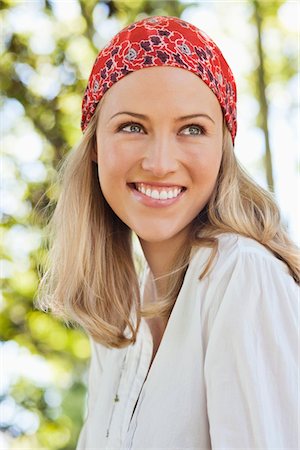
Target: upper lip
{"points": [[157, 184]]}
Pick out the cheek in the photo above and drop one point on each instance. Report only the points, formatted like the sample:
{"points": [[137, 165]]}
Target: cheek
{"points": [[205, 165], [114, 160]]}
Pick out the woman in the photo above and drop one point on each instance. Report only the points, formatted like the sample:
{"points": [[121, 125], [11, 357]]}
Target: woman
{"points": [[201, 353]]}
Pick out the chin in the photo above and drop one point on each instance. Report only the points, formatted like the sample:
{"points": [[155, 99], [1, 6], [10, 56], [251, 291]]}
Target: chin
{"points": [[155, 235]]}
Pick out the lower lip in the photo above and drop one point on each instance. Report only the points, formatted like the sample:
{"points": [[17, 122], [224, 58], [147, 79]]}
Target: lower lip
{"points": [[153, 202]]}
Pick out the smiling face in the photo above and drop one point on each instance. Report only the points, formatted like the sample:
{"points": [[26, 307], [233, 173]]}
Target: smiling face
{"points": [[159, 149]]}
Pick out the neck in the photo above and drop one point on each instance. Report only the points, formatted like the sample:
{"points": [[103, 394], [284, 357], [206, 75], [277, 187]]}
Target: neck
{"points": [[161, 258]]}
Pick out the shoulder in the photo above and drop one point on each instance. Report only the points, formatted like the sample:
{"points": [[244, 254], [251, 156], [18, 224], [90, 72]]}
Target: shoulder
{"points": [[234, 246], [236, 250], [247, 286], [242, 266], [98, 353]]}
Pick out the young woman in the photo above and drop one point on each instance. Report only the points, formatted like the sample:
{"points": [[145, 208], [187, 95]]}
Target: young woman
{"points": [[200, 352]]}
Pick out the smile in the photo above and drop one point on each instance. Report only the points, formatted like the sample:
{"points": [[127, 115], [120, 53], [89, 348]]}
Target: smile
{"points": [[156, 195], [159, 192]]}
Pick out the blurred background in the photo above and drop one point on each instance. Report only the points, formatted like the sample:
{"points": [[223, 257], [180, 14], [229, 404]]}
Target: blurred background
{"points": [[48, 48]]}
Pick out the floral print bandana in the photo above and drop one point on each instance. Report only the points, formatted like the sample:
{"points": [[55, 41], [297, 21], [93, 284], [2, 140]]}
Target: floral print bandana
{"points": [[162, 41]]}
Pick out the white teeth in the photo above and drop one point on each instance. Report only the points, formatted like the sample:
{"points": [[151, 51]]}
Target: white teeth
{"points": [[163, 195], [157, 194]]}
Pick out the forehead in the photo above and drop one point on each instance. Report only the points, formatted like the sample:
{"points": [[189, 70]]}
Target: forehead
{"points": [[165, 87]]}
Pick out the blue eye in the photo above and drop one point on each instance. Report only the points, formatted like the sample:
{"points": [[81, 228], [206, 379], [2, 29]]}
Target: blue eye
{"points": [[135, 128], [195, 130], [132, 127]]}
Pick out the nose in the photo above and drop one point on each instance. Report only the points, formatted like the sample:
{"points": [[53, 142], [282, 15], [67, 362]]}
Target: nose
{"points": [[160, 156]]}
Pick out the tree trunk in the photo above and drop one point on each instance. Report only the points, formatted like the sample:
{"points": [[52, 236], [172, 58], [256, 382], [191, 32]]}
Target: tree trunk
{"points": [[262, 96]]}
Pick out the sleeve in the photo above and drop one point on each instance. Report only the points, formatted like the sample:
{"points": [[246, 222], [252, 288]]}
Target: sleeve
{"points": [[251, 359], [94, 375]]}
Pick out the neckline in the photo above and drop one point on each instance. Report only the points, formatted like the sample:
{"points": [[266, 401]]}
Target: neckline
{"points": [[151, 366], [147, 335]]}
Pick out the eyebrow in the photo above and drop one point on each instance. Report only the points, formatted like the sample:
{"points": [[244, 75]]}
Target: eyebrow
{"points": [[142, 116]]}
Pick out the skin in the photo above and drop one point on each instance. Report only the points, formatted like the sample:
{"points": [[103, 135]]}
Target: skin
{"points": [[159, 150]]}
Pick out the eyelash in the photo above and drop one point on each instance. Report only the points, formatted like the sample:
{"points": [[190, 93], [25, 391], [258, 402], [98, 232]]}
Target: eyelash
{"points": [[124, 125]]}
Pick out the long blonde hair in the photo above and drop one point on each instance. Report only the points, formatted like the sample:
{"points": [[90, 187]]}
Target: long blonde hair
{"points": [[90, 276]]}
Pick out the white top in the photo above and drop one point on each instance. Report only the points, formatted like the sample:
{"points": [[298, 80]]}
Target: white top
{"points": [[225, 374]]}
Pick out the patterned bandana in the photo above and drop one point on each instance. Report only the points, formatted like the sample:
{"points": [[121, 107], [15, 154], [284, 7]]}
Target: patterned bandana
{"points": [[162, 41]]}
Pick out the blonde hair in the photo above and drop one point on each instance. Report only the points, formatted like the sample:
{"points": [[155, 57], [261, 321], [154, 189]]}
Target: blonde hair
{"points": [[90, 276]]}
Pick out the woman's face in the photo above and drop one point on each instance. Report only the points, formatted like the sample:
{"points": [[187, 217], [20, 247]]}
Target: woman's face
{"points": [[159, 149]]}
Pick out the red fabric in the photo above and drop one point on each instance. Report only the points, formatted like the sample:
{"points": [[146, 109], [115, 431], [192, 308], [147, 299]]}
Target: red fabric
{"points": [[162, 41]]}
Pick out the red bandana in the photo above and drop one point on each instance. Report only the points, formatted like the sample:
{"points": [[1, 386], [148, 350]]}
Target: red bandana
{"points": [[162, 41]]}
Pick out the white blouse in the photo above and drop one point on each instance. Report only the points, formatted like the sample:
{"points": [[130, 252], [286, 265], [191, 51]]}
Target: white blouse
{"points": [[225, 374]]}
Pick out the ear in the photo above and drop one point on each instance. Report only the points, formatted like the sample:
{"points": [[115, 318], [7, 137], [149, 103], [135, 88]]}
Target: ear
{"points": [[94, 155]]}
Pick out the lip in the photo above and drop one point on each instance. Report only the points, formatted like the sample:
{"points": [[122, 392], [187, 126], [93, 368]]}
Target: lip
{"points": [[153, 202], [156, 184]]}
